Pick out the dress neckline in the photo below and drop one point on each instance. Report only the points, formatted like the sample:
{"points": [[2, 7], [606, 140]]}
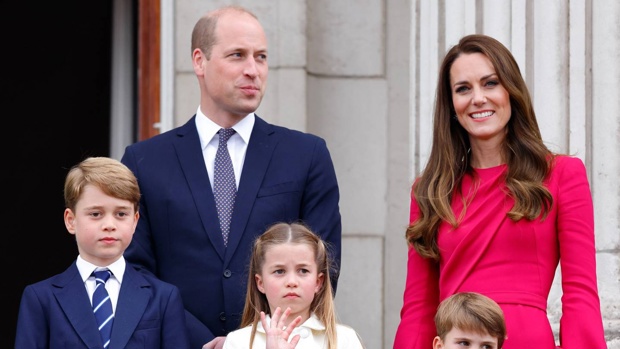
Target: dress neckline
{"points": [[498, 167], [490, 171]]}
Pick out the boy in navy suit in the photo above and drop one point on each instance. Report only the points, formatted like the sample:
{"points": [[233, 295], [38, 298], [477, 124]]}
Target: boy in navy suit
{"points": [[102, 198]]}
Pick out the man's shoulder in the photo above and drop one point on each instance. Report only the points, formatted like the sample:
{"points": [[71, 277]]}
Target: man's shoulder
{"points": [[164, 138], [284, 131], [264, 125]]}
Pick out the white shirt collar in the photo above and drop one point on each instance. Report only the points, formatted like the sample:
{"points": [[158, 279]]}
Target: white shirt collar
{"points": [[207, 129], [86, 268]]}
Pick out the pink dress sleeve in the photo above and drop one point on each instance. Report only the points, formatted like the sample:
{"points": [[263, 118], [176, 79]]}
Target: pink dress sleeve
{"points": [[421, 298], [581, 325]]}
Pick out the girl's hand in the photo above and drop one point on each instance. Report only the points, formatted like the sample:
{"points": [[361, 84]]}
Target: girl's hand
{"points": [[278, 332]]}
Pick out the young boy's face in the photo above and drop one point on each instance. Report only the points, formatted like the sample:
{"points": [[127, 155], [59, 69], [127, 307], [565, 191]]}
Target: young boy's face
{"points": [[103, 225], [457, 339]]}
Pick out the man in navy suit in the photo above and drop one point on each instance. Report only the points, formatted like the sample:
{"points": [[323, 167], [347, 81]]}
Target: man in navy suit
{"points": [[281, 175], [102, 198]]}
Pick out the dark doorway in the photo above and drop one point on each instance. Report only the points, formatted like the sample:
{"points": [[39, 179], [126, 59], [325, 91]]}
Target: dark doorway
{"points": [[56, 111]]}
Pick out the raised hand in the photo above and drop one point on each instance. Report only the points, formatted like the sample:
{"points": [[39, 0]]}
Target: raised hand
{"points": [[278, 332], [215, 343]]}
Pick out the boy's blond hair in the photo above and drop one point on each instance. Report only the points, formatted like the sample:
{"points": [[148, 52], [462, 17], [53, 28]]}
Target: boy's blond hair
{"points": [[111, 176], [472, 312]]}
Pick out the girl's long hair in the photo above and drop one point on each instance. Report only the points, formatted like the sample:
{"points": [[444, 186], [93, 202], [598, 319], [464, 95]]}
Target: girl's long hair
{"points": [[323, 303]]}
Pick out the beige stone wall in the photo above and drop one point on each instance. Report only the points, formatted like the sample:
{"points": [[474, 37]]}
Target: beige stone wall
{"points": [[361, 74]]}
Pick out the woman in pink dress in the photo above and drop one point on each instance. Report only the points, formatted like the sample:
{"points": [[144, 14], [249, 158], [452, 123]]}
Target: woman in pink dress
{"points": [[495, 211]]}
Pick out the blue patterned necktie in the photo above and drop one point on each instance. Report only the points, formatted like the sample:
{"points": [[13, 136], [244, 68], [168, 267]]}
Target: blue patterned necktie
{"points": [[102, 306], [224, 185]]}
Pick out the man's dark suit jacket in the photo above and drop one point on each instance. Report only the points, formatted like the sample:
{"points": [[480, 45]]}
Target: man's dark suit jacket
{"points": [[56, 313], [287, 176]]}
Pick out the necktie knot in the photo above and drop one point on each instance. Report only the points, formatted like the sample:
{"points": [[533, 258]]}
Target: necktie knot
{"points": [[102, 276], [225, 134]]}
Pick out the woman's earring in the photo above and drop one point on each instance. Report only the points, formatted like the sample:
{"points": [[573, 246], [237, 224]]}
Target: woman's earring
{"points": [[455, 117], [468, 151]]}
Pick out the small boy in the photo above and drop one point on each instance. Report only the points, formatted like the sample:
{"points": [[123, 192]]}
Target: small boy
{"points": [[471, 320], [131, 310]]}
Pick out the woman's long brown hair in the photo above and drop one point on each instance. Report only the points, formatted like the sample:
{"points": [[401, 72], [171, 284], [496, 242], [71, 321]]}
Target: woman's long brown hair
{"points": [[527, 158]]}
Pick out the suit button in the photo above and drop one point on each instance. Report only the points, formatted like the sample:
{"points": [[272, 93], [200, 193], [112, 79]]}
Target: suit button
{"points": [[227, 273], [222, 316]]}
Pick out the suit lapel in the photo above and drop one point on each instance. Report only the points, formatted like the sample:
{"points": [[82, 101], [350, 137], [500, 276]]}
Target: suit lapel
{"points": [[133, 298], [260, 149], [188, 150], [73, 299], [257, 157]]}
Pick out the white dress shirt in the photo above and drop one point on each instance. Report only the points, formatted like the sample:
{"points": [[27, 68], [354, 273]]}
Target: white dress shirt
{"points": [[113, 285], [237, 144]]}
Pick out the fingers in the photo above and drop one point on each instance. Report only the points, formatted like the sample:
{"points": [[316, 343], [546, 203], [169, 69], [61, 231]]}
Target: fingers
{"points": [[295, 340], [263, 320], [282, 321], [291, 326], [209, 345], [215, 343], [296, 322], [288, 329], [220, 344], [278, 319], [278, 331]]}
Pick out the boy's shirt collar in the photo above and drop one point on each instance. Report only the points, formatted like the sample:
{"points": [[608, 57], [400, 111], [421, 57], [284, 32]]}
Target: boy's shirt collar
{"points": [[86, 268]]}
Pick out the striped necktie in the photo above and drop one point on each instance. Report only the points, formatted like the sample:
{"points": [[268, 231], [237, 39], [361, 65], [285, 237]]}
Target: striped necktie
{"points": [[102, 306]]}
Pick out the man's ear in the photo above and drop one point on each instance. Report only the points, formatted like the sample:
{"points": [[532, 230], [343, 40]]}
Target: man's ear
{"points": [[198, 60]]}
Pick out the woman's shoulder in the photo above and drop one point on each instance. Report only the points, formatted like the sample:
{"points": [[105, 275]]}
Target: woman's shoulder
{"points": [[566, 169], [569, 163], [567, 160]]}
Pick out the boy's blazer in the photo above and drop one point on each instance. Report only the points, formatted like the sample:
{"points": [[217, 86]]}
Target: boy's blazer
{"points": [[56, 313], [287, 176]]}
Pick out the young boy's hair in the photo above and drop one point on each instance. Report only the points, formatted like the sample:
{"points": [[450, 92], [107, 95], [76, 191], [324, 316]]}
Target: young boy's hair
{"points": [[322, 304], [111, 176], [472, 312]]}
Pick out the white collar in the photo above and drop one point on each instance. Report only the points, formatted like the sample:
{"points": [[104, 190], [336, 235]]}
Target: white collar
{"points": [[207, 129], [86, 268]]}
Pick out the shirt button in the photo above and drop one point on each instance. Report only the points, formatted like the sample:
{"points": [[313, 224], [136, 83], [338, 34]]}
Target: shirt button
{"points": [[304, 332], [222, 316], [227, 273]]}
